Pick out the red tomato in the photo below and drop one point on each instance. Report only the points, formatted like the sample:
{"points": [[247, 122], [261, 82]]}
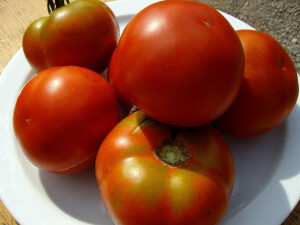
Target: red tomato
{"points": [[180, 62], [119, 90], [269, 90], [61, 117], [83, 33], [150, 173]]}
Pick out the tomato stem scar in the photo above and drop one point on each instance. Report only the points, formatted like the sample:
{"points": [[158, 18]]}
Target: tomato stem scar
{"points": [[206, 23], [173, 152]]}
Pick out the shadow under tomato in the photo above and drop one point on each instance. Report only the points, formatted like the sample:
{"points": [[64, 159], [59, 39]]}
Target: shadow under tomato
{"points": [[77, 195], [255, 161]]}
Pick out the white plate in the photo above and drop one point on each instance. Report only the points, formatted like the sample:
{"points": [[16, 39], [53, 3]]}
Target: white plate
{"points": [[267, 185]]}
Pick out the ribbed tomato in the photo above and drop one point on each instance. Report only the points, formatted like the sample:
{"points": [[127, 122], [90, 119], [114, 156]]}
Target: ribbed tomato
{"points": [[150, 173]]}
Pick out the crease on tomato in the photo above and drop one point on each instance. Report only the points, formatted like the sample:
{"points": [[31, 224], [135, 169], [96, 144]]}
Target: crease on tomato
{"points": [[76, 164]]}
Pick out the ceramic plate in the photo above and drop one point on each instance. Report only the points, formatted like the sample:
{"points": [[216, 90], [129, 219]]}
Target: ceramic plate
{"points": [[267, 185]]}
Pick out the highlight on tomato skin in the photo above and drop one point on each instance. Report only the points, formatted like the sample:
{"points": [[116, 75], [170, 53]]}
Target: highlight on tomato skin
{"points": [[151, 173], [61, 116], [269, 90]]}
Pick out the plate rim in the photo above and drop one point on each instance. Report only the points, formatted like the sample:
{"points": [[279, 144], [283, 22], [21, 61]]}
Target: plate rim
{"points": [[120, 10]]}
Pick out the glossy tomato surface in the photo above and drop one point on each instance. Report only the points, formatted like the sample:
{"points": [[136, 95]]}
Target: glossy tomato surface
{"points": [[180, 62], [150, 173], [269, 90], [61, 117], [83, 33]]}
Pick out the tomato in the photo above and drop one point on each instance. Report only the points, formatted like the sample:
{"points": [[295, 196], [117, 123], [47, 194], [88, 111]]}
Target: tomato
{"points": [[150, 173], [61, 117], [269, 90], [119, 90], [83, 33], [180, 62]]}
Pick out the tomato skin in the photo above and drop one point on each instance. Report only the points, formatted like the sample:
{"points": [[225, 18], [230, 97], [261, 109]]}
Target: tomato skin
{"points": [[118, 86], [61, 117], [31, 44], [269, 90], [138, 188], [180, 62], [70, 37]]}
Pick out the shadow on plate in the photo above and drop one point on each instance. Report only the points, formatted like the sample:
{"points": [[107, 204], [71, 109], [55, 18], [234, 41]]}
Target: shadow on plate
{"points": [[256, 162], [77, 195]]}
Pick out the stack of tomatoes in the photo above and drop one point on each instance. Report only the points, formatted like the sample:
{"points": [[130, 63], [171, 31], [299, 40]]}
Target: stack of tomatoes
{"points": [[189, 74]]}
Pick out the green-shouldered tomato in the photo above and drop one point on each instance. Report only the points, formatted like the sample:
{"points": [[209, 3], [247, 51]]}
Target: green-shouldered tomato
{"points": [[83, 33], [150, 173]]}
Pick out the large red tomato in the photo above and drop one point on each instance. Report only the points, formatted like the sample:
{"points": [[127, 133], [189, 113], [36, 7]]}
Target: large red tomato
{"points": [[83, 33], [269, 90], [150, 173], [61, 117], [180, 62]]}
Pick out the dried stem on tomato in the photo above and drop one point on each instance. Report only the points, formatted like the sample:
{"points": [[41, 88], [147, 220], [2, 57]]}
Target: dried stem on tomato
{"points": [[55, 4]]}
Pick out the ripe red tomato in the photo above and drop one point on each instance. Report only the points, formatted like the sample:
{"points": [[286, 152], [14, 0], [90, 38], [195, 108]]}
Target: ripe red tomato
{"points": [[150, 173], [118, 88], [61, 117], [269, 90], [180, 62], [83, 33]]}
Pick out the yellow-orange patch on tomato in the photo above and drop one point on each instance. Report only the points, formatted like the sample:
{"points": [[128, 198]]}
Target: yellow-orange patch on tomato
{"points": [[180, 191], [148, 187]]}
